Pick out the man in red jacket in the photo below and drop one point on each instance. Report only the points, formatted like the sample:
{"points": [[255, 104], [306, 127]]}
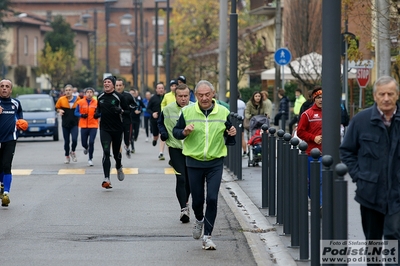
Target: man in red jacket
{"points": [[310, 128]]}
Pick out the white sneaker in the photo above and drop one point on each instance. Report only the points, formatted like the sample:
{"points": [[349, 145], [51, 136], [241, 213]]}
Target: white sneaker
{"points": [[147, 139], [73, 156], [90, 163], [208, 244], [197, 229], [67, 160], [120, 174], [185, 216]]}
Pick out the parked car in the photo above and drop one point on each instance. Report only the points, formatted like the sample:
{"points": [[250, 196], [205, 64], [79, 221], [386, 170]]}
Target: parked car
{"points": [[40, 112]]}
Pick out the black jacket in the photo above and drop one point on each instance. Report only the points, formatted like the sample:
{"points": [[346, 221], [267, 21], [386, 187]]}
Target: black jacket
{"points": [[372, 153], [154, 105], [110, 107]]}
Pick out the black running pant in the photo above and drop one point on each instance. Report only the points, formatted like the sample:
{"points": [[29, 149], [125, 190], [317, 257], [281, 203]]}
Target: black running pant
{"points": [[212, 176], [178, 162], [127, 134], [108, 138]]}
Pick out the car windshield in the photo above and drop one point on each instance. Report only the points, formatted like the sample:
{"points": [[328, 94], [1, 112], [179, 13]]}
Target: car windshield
{"points": [[37, 104]]}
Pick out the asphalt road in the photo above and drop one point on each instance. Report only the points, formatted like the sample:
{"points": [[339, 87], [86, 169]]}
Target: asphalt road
{"points": [[60, 215]]}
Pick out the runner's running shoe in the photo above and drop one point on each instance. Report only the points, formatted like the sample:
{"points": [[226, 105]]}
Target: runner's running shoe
{"points": [[197, 229], [185, 218], [208, 244], [73, 156], [67, 160], [5, 200], [106, 183], [120, 174]]}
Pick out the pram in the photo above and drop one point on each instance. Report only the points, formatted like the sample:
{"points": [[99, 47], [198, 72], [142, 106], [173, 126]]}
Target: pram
{"points": [[255, 141]]}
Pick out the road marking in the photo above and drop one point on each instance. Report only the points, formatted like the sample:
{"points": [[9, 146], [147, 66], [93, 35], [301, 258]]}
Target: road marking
{"points": [[71, 171], [83, 171], [21, 171], [128, 171], [169, 171]]}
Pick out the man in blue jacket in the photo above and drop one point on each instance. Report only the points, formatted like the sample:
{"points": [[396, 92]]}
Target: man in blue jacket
{"points": [[371, 151]]}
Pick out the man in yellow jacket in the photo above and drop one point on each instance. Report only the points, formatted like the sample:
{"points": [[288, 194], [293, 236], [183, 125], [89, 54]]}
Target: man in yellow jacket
{"points": [[166, 123], [204, 126]]}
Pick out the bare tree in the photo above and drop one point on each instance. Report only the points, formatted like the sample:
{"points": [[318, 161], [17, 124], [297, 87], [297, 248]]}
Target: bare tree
{"points": [[303, 34]]}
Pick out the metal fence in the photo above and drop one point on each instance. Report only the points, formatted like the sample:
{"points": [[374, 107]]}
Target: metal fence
{"points": [[285, 189]]}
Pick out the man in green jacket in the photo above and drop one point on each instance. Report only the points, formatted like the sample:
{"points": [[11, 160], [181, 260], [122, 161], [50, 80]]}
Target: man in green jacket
{"points": [[204, 126], [166, 123]]}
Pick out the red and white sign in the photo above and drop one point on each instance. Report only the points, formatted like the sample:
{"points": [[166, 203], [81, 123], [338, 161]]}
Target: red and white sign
{"points": [[363, 75]]}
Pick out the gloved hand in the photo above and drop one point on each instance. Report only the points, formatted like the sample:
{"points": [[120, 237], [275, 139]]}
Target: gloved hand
{"points": [[96, 115], [164, 136], [84, 115], [117, 109]]}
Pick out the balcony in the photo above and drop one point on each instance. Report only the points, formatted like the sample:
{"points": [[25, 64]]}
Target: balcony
{"points": [[263, 7]]}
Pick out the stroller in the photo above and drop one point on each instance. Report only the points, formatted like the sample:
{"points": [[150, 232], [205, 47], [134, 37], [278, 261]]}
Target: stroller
{"points": [[255, 141]]}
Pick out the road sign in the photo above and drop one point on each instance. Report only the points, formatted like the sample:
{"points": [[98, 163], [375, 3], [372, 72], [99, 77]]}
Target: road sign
{"points": [[361, 64], [282, 56], [363, 75]]}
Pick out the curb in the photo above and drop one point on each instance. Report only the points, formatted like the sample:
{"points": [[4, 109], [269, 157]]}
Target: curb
{"points": [[262, 237]]}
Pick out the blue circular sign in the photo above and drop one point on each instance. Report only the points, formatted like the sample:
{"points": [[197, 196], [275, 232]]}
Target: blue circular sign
{"points": [[282, 56]]}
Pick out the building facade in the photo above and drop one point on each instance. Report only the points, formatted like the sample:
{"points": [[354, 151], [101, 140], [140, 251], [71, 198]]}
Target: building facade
{"points": [[114, 24]]}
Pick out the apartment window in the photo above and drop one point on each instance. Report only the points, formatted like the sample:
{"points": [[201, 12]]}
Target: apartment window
{"points": [[125, 58], [35, 51], [160, 25], [26, 45]]}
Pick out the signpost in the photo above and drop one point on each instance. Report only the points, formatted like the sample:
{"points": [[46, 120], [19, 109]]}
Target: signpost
{"points": [[283, 57], [363, 76]]}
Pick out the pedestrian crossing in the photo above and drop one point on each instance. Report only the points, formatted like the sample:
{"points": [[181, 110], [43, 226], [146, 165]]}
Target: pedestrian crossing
{"points": [[85, 171]]}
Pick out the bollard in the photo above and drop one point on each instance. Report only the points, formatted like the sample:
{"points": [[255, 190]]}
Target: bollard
{"points": [[264, 165], [294, 193], [340, 206], [303, 202], [286, 184], [315, 172], [234, 147], [239, 130], [279, 180], [340, 203], [327, 197], [271, 172]]}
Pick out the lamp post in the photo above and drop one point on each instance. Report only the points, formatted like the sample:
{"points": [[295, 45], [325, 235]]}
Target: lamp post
{"points": [[87, 16], [156, 47], [167, 52], [135, 70], [107, 10]]}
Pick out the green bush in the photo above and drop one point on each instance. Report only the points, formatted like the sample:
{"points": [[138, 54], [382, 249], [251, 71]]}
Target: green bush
{"points": [[21, 90]]}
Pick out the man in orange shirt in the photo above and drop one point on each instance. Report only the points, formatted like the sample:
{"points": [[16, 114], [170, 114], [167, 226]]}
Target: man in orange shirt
{"points": [[88, 124], [66, 107]]}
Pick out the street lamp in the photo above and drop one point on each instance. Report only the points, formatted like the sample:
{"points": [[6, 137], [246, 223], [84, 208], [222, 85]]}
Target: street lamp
{"points": [[107, 10], [167, 52], [86, 17]]}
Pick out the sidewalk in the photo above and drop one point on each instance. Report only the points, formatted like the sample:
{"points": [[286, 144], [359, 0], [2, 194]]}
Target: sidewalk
{"points": [[244, 197]]}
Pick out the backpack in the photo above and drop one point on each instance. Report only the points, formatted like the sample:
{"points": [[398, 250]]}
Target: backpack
{"points": [[345, 118]]}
